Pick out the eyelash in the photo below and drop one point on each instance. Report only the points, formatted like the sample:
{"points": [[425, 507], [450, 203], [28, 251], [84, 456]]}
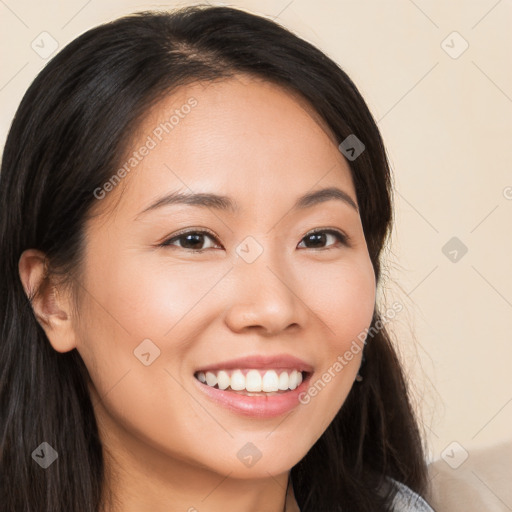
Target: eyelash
{"points": [[341, 237]]}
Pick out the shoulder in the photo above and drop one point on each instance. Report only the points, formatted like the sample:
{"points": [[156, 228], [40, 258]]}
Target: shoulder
{"points": [[407, 500]]}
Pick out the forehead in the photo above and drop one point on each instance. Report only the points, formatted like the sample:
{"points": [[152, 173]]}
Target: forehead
{"points": [[241, 137]]}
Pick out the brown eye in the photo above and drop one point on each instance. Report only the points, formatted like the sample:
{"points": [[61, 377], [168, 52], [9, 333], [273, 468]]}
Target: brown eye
{"points": [[320, 237], [190, 240]]}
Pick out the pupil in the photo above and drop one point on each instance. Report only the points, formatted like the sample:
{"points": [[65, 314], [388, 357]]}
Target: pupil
{"points": [[189, 237], [318, 237]]}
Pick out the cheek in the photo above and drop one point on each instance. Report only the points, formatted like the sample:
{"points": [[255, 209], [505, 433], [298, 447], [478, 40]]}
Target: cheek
{"points": [[149, 297], [128, 304], [344, 299], [131, 302], [344, 306]]}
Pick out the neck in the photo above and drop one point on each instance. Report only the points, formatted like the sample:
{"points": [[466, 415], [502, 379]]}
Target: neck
{"points": [[142, 490]]}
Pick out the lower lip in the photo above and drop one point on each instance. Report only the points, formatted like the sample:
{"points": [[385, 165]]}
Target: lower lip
{"points": [[256, 406]]}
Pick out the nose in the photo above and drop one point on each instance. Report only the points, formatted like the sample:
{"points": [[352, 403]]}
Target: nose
{"points": [[265, 296]]}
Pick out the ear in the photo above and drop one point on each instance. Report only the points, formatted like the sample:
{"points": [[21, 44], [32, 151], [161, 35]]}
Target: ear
{"points": [[52, 311]]}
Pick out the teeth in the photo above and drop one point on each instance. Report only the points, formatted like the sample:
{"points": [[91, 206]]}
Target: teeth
{"points": [[293, 381], [237, 381], [283, 381], [270, 381], [253, 381], [211, 379], [223, 380]]}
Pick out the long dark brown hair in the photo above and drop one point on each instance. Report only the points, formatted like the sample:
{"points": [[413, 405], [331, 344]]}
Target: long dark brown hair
{"points": [[67, 137]]}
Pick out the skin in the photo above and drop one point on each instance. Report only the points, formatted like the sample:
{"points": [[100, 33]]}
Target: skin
{"points": [[168, 446]]}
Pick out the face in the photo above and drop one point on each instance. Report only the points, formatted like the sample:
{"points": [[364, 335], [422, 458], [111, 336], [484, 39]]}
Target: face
{"points": [[252, 281]]}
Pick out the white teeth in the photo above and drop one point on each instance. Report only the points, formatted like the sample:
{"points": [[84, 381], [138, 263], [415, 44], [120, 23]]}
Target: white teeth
{"points": [[283, 381], [270, 381], [211, 379], [223, 380], [293, 381], [254, 380], [237, 381]]}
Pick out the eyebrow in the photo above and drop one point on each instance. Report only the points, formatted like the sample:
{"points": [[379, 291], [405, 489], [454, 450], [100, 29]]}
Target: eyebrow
{"points": [[225, 203]]}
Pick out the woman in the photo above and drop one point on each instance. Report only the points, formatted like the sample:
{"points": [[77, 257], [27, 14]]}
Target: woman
{"points": [[194, 206]]}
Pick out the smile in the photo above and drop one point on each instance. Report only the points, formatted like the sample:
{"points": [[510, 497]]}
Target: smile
{"points": [[250, 381]]}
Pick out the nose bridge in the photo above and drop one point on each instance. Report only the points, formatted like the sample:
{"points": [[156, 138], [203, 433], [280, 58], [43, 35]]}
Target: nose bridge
{"points": [[264, 292], [261, 258]]}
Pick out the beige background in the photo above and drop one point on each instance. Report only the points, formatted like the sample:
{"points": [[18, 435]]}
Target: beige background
{"points": [[446, 118]]}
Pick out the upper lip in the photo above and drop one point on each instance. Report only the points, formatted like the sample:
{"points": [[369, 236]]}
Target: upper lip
{"points": [[260, 362]]}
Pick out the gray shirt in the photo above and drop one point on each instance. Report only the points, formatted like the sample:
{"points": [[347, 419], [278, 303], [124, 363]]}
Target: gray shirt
{"points": [[406, 500]]}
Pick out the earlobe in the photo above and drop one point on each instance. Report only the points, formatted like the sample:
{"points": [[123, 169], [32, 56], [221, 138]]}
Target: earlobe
{"points": [[50, 309]]}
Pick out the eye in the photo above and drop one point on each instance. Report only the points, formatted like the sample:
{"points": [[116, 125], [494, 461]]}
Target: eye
{"points": [[193, 240], [319, 236]]}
